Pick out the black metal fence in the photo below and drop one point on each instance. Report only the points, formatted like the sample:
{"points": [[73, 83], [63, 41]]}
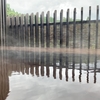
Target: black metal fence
{"points": [[33, 31]]}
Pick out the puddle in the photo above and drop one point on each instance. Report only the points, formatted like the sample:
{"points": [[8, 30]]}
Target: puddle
{"points": [[49, 76]]}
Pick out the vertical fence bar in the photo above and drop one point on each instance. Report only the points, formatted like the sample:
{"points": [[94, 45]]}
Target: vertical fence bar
{"points": [[3, 20], [11, 31], [81, 27], [96, 43], [31, 36], [42, 42], [31, 31], [16, 33], [36, 30], [8, 29], [26, 39], [20, 29], [74, 28], [81, 43], [23, 36], [61, 28], [55, 30], [1, 25], [89, 27], [67, 29], [97, 18], [47, 29], [21, 33], [4, 16], [26, 30], [42, 29]]}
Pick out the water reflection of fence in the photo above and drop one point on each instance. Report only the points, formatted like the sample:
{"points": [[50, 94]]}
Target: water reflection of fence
{"points": [[4, 81], [40, 63], [62, 66], [26, 30]]}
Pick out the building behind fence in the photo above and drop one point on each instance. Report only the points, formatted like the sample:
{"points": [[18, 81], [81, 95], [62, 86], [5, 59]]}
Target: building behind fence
{"points": [[26, 30]]}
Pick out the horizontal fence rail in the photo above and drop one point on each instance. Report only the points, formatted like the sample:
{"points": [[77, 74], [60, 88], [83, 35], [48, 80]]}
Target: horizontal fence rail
{"points": [[39, 31]]}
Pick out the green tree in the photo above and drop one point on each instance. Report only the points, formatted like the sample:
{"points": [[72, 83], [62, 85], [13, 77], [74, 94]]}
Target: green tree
{"points": [[11, 12]]}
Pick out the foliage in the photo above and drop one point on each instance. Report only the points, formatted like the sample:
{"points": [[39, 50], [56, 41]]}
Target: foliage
{"points": [[11, 12], [87, 18]]}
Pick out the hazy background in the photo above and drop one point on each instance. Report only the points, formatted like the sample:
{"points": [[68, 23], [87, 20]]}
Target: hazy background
{"points": [[33, 6]]}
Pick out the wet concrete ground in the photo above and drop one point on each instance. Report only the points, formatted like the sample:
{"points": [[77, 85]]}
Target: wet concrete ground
{"points": [[49, 76]]}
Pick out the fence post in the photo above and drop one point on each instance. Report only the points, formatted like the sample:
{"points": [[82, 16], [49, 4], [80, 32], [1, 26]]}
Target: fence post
{"points": [[67, 29], [74, 28], [61, 28], [42, 29], [55, 29], [47, 29], [2, 21]]}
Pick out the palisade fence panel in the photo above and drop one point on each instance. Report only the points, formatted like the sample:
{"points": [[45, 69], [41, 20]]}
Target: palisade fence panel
{"points": [[37, 30]]}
